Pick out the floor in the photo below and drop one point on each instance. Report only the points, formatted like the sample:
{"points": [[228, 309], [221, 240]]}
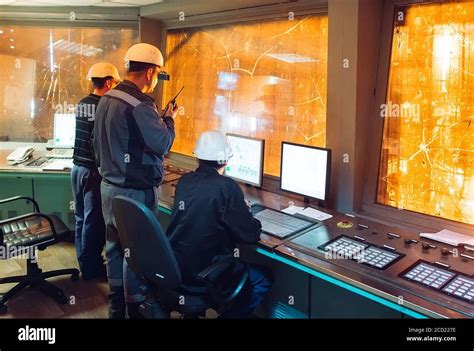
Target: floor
{"points": [[87, 299]]}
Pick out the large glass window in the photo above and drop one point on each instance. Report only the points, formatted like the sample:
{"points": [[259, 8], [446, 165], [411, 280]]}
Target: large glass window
{"points": [[266, 80], [427, 156], [43, 70]]}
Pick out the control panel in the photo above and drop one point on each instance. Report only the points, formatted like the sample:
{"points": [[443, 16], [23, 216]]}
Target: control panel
{"points": [[362, 252], [442, 279], [392, 256]]}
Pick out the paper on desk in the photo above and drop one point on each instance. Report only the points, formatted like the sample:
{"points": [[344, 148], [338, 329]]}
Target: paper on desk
{"points": [[292, 209], [58, 165], [315, 214], [449, 237]]}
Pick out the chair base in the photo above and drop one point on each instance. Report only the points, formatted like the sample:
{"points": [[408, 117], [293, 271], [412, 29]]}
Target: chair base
{"points": [[36, 279]]}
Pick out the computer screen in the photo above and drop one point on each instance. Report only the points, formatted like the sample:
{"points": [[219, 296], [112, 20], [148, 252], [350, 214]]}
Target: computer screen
{"points": [[64, 129], [246, 164], [305, 170]]}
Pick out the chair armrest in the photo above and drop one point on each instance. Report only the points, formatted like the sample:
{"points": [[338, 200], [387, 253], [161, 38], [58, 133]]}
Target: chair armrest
{"points": [[30, 215], [15, 198], [215, 267]]}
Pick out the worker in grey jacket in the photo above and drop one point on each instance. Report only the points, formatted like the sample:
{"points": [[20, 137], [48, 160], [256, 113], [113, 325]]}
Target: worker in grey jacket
{"points": [[130, 139]]}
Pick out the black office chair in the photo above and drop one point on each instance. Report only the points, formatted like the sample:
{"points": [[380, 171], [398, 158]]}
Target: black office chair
{"points": [[149, 255], [23, 235]]}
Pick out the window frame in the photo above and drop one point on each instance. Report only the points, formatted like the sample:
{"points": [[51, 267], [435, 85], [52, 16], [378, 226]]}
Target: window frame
{"points": [[244, 16], [370, 207]]}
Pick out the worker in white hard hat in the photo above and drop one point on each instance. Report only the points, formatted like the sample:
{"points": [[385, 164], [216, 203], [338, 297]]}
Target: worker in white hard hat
{"points": [[209, 218], [130, 139], [85, 178]]}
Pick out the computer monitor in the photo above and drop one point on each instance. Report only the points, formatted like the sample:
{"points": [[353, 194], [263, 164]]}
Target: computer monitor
{"points": [[305, 170], [246, 164], [64, 130]]}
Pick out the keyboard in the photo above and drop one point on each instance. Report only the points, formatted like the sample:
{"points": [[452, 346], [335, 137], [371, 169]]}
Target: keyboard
{"points": [[280, 224], [60, 153], [37, 162]]}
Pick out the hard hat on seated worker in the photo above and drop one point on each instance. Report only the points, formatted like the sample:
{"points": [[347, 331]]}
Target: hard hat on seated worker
{"points": [[212, 145], [103, 70]]}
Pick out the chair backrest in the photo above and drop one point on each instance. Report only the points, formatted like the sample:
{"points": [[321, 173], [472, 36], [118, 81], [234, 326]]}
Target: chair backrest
{"points": [[147, 249]]}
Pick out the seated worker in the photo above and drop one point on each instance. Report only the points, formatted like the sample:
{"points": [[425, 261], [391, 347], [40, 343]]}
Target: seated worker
{"points": [[209, 217]]}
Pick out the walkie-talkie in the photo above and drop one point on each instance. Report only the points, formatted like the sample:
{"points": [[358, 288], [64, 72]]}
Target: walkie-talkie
{"points": [[172, 102]]}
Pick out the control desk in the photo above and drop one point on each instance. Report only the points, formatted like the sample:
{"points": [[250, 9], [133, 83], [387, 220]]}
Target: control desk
{"points": [[396, 261], [433, 279], [430, 277]]}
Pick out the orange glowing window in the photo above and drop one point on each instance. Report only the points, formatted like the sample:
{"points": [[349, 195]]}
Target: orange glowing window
{"points": [[43, 71], [266, 80], [427, 156]]}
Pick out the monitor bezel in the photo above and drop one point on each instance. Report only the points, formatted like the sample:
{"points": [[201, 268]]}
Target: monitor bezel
{"points": [[328, 170], [262, 157]]}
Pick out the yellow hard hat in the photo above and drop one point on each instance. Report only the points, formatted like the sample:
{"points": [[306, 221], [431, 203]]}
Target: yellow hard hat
{"points": [[145, 53], [102, 70]]}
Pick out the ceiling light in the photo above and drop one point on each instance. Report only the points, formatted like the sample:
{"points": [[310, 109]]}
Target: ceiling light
{"points": [[292, 58], [76, 48]]}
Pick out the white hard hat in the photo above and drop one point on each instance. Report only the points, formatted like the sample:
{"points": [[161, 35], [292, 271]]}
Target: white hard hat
{"points": [[213, 146], [102, 70], [146, 53]]}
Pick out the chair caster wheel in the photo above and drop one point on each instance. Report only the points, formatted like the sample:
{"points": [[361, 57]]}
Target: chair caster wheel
{"points": [[75, 277], [3, 309]]}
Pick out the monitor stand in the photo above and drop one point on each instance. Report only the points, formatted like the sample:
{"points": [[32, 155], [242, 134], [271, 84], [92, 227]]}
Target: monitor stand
{"points": [[320, 203]]}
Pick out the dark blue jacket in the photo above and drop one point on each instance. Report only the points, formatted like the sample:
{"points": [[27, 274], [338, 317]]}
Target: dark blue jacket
{"points": [[130, 138], [209, 218]]}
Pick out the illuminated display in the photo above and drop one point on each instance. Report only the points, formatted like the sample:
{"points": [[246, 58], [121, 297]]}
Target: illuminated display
{"points": [[427, 156], [266, 80]]}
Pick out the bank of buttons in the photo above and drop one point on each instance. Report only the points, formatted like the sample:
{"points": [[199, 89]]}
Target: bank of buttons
{"points": [[461, 287], [429, 275], [345, 246], [376, 257]]}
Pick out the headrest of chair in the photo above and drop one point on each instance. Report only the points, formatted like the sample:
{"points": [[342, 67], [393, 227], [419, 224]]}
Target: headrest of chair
{"points": [[146, 247]]}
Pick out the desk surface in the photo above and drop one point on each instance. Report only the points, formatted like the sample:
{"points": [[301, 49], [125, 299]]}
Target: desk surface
{"points": [[23, 168]]}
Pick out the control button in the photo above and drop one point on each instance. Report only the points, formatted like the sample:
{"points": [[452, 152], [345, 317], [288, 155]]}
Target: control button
{"points": [[410, 241], [427, 246], [444, 251], [374, 232], [467, 256], [442, 264]]}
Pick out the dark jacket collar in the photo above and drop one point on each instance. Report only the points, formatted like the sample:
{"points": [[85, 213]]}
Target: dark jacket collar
{"points": [[206, 170]]}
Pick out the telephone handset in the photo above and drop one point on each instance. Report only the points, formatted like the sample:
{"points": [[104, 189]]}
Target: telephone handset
{"points": [[20, 155]]}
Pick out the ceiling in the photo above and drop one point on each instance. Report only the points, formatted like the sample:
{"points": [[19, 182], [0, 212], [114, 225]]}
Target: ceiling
{"points": [[101, 3], [170, 8], [155, 9]]}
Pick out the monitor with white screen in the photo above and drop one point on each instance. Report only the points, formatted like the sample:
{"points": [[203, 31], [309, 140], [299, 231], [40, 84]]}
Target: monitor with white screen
{"points": [[305, 170], [246, 164], [64, 130]]}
